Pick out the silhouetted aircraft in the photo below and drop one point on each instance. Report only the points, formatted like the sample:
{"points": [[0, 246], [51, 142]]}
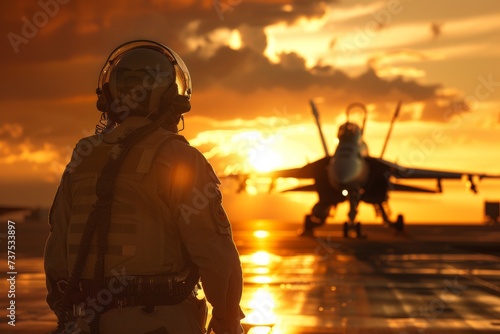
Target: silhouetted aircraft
{"points": [[350, 174]]}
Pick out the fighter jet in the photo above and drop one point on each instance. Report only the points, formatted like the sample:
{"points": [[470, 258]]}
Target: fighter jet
{"points": [[351, 175]]}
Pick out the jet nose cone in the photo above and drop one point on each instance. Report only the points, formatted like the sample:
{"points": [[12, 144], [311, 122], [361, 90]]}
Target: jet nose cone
{"points": [[343, 176], [343, 172]]}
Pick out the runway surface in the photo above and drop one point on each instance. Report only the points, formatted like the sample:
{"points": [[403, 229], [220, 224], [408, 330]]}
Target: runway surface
{"points": [[431, 279]]}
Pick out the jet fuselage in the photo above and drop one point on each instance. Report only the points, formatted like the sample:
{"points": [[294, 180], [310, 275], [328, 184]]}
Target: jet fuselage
{"points": [[347, 168]]}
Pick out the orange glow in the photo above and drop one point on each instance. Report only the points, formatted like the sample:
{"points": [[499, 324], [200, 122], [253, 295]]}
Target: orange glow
{"points": [[251, 188], [262, 307], [261, 270], [28, 153], [261, 258], [252, 83], [265, 160], [261, 234], [263, 279], [260, 330]]}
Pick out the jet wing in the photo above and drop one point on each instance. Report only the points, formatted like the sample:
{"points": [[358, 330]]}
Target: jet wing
{"points": [[309, 187], [309, 171], [388, 169], [403, 187], [401, 172]]}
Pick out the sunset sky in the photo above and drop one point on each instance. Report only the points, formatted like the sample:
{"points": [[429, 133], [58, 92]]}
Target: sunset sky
{"points": [[255, 64]]}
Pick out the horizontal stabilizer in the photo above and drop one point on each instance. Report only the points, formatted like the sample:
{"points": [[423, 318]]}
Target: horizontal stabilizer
{"points": [[309, 187], [309, 171], [240, 178], [403, 187]]}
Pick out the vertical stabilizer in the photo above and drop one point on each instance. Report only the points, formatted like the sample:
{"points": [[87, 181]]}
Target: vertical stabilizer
{"points": [[396, 113], [318, 124]]}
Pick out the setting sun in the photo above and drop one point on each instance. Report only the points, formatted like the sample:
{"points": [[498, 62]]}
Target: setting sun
{"points": [[265, 160]]}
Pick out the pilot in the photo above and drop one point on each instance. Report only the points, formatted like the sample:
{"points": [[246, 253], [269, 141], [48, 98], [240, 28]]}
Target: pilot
{"points": [[137, 219]]}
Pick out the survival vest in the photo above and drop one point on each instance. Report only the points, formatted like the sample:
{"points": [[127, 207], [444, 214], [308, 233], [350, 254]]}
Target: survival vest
{"points": [[140, 222]]}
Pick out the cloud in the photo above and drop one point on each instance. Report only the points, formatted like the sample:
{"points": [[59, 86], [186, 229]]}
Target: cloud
{"points": [[91, 27], [253, 38], [360, 10], [69, 49], [27, 152], [50, 82], [246, 71], [16, 147], [382, 59], [10, 130]]}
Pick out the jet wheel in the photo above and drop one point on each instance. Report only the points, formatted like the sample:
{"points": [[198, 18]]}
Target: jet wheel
{"points": [[400, 223], [358, 230], [346, 230]]}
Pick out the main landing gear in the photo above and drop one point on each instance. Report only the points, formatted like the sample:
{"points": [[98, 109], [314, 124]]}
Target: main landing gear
{"points": [[310, 223], [398, 225], [352, 226], [353, 211]]}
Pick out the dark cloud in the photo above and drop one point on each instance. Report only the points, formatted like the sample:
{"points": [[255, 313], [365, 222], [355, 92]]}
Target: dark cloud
{"points": [[48, 30], [443, 110], [253, 38], [247, 71], [260, 14], [63, 57], [91, 29]]}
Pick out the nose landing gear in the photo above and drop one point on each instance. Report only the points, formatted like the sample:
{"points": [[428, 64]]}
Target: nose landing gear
{"points": [[353, 226]]}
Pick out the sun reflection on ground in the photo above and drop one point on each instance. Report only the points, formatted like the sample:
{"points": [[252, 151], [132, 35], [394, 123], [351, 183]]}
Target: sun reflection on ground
{"points": [[261, 258], [260, 330], [261, 319], [261, 303]]}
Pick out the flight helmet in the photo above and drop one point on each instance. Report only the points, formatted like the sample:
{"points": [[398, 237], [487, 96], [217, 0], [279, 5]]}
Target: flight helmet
{"points": [[143, 78]]}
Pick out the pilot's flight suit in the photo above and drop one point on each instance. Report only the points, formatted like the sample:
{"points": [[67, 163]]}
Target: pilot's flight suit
{"points": [[166, 212]]}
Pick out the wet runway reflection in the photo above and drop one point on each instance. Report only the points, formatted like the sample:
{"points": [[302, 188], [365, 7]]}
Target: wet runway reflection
{"points": [[383, 284], [419, 283]]}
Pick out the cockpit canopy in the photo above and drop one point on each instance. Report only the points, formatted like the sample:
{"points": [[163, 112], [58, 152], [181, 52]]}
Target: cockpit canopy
{"points": [[349, 131]]}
